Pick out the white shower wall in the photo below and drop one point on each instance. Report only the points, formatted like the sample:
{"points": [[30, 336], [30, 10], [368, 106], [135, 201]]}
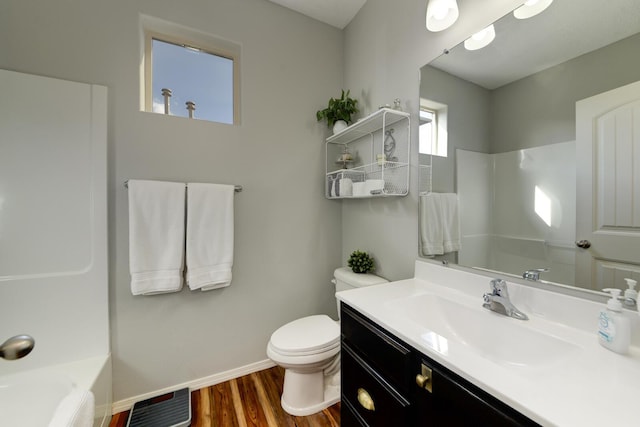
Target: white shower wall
{"points": [[518, 210], [53, 218]]}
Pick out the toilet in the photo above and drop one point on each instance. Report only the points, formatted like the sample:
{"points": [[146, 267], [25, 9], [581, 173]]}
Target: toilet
{"points": [[309, 351]]}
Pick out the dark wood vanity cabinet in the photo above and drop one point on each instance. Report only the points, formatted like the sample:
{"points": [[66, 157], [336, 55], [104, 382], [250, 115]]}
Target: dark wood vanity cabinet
{"points": [[380, 385]]}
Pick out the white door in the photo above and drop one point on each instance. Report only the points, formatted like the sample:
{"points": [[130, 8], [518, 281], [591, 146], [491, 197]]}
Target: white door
{"points": [[608, 187]]}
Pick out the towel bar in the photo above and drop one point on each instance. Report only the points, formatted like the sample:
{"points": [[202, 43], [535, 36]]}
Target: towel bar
{"points": [[237, 188]]}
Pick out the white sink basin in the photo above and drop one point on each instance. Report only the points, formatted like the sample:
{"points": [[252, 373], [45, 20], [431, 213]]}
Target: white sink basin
{"points": [[494, 336]]}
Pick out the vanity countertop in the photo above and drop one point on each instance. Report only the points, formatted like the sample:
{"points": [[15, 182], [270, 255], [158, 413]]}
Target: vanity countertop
{"points": [[550, 368]]}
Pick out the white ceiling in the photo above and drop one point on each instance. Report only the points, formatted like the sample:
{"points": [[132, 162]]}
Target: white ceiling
{"points": [[337, 13], [565, 30]]}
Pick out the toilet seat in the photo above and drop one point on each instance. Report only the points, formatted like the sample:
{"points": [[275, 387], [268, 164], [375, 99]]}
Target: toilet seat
{"points": [[306, 336]]}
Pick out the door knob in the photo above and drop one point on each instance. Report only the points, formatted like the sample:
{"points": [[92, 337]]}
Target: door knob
{"points": [[584, 244]]}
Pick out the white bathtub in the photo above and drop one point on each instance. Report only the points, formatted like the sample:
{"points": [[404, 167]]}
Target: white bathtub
{"points": [[30, 398]]}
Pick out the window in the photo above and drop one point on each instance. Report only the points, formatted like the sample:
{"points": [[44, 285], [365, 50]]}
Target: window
{"points": [[189, 74], [427, 130], [432, 137]]}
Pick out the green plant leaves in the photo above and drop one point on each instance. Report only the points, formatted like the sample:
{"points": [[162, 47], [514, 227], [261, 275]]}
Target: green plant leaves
{"points": [[338, 109], [361, 262]]}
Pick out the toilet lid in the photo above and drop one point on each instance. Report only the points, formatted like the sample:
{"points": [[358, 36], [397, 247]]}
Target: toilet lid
{"points": [[309, 334]]}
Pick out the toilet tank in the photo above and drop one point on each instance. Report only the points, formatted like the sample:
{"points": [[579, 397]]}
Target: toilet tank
{"points": [[344, 278]]}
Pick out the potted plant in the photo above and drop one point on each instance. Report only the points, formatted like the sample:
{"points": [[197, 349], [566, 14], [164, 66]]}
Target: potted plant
{"points": [[339, 111], [361, 262]]}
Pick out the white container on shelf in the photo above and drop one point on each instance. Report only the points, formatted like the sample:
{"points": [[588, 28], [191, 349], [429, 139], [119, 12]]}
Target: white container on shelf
{"points": [[359, 189]]}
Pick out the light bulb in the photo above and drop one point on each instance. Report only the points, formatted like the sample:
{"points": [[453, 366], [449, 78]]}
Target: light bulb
{"points": [[441, 14], [480, 39], [479, 35], [531, 8], [440, 11]]}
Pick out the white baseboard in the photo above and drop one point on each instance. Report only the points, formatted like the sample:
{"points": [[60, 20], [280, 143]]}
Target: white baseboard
{"points": [[126, 404]]}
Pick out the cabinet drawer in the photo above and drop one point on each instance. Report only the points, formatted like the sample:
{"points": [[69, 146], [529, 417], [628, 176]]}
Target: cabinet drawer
{"points": [[362, 387], [384, 352], [455, 401]]}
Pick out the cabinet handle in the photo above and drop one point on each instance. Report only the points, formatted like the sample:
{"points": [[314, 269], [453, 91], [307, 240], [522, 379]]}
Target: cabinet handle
{"points": [[365, 400], [423, 379]]}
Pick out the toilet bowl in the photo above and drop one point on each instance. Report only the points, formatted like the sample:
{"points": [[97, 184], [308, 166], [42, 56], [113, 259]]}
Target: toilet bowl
{"points": [[309, 351]]}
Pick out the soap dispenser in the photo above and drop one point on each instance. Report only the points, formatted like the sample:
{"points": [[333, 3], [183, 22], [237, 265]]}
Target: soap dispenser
{"points": [[630, 294], [614, 329]]}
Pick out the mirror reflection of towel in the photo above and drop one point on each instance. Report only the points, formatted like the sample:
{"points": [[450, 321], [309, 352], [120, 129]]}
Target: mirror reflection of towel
{"points": [[439, 223]]}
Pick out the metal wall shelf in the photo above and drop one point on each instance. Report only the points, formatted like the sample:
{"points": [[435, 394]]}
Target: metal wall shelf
{"points": [[365, 141]]}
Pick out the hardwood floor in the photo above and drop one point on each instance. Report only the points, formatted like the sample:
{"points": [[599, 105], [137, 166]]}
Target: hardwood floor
{"points": [[252, 400]]}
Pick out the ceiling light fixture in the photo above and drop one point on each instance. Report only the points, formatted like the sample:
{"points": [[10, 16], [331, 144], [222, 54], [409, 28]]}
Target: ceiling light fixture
{"points": [[441, 14], [531, 8], [481, 38]]}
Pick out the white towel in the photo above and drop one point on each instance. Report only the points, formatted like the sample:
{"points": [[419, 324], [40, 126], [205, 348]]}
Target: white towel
{"points": [[156, 236], [77, 409], [450, 222], [439, 223], [209, 235]]}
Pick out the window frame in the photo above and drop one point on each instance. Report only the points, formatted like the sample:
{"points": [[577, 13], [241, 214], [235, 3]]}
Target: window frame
{"points": [[167, 32], [434, 128], [439, 138]]}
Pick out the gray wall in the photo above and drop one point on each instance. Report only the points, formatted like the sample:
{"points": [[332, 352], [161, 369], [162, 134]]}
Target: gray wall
{"points": [[541, 109], [287, 234], [385, 46], [468, 109]]}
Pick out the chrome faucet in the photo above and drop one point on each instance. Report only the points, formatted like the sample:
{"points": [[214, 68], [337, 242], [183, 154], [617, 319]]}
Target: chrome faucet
{"points": [[534, 274], [498, 301]]}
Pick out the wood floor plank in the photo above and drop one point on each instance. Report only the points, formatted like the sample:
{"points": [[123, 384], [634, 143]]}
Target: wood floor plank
{"points": [[223, 411], [249, 401], [272, 380], [333, 414], [238, 403], [202, 412], [264, 400], [253, 411]]}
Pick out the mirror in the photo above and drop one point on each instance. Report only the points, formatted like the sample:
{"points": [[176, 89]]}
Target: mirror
{"points": [[505, 115]]}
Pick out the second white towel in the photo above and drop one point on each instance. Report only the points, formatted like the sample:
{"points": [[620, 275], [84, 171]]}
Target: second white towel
{"points": [[209, 235]]}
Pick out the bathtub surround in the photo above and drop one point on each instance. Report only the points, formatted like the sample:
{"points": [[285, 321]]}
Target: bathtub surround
{"points": [[44, 390], [54, 244], [75, 410], [156, 236], [503, 227]]}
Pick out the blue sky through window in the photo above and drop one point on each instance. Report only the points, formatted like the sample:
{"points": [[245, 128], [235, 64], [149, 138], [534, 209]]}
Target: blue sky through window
{"points": [[192, 75]]}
